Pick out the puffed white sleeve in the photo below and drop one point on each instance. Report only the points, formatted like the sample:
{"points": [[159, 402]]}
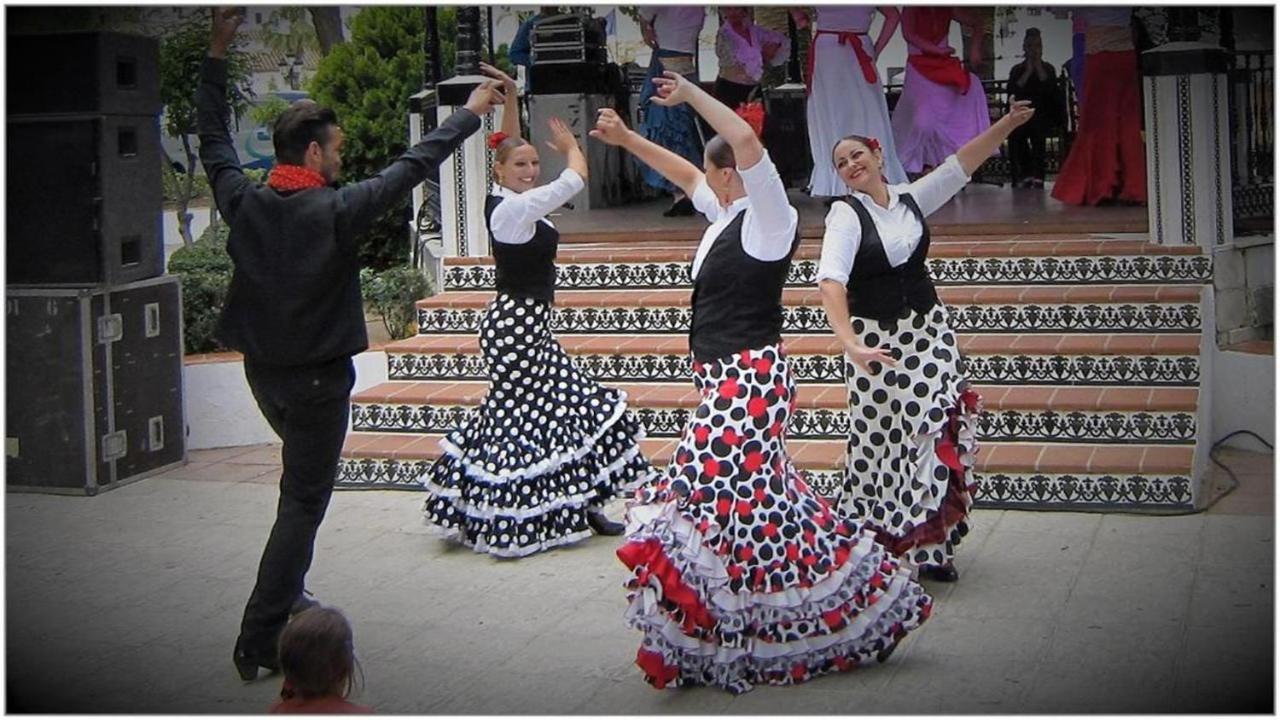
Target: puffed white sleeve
{"points": [[840, 242]]}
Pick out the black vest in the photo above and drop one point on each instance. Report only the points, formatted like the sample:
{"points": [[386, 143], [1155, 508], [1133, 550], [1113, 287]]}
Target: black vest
{"points": [[877, 290], [737, 299], [526, 270]]}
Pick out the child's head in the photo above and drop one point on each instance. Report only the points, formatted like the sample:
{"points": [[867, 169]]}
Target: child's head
{"points": [[316, 655]]}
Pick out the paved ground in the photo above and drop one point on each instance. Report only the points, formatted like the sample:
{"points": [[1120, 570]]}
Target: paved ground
{"points": [[129, 602]]}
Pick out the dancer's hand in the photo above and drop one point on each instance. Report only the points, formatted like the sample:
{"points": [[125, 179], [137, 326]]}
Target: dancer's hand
{"points": [[609, 128], [508, 83], [863, 356], [1019, 113], [225, 22], [562, 139], [487, 96], [671, 89]]}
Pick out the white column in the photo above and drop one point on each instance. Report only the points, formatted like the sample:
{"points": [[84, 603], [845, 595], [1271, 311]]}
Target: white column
{"points": [[465, 176], [1184, 91]]}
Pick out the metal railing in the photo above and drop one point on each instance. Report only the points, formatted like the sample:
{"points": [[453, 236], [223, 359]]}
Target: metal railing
{"points": [[1251, 103]]}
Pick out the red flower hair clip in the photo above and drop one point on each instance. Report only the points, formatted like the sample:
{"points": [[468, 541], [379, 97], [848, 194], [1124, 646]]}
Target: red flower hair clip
{"points": [[873, 144], [496, 139]]}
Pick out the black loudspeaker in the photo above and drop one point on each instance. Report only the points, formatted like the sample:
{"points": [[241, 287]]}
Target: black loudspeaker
{"points": [[786, 133], [94, 383], [89, 72], [83, 199]]}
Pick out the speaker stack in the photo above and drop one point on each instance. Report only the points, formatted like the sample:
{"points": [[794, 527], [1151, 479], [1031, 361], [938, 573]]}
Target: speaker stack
{"points": [[94, 341]]}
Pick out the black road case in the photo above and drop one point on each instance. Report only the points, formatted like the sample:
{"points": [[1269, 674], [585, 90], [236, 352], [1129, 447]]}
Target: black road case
{"points": [[94, 385]]}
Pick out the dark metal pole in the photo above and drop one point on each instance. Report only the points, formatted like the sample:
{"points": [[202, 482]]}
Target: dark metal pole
{"points": [[467, 61], [492, 43], [793, 64], [431, 47]]}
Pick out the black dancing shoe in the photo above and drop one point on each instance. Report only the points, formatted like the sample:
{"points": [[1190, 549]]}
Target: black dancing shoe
{"points": [[247, 664], [602, 525], [942, 573], [681, 208], [305, 601], [883, 655]]}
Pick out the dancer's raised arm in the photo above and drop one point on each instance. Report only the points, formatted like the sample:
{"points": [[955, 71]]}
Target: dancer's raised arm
{"points": [[975, 152], [511, 107], [611, 130], [673, 89]]}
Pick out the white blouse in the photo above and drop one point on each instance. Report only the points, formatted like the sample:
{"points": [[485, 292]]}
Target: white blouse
{"points": [[768, 230], [899, 230], [516, 217]]}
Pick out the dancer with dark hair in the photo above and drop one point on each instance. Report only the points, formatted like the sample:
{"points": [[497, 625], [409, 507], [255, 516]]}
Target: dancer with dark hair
{"points": [[1035, 81], [532, 466], [294, 306], [740, 573], [912, 416]]}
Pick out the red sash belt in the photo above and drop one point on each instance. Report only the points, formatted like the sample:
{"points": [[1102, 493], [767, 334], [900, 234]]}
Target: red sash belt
{"points": [[846, 37], [943, 70]]}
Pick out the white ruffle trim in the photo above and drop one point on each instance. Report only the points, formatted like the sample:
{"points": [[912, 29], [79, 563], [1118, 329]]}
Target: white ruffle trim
{"points": [[548, 464], [511, 551], [488, 511]]}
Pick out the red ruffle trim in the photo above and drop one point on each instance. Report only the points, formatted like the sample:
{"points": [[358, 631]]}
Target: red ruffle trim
{"points": [[937, 528]]}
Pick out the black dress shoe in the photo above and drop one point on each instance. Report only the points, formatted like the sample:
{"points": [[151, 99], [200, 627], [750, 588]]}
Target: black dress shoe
{"points": [[681, 208], [883, 655], [247, 664], [942, 573], [602, 525], [305, 601]]}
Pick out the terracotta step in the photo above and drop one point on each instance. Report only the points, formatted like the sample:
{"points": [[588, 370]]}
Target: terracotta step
{"points": [[828, 455], [663, 230], [809, 297], [813, 396], [959, 246], [827, 344]]}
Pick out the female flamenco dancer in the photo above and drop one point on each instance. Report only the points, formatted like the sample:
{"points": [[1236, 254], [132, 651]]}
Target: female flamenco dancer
{"points": [[943, 105], [740, 574], [1108, 161], [744, 49], [845, 94], [912, 417], [671, 31], [532, 467]]}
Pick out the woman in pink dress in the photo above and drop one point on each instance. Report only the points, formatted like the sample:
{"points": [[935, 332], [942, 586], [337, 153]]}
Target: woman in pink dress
{"points": [[943, 105]]}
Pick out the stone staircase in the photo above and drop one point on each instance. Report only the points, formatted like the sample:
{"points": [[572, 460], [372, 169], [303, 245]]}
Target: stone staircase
{"points": [[1087, 353]]}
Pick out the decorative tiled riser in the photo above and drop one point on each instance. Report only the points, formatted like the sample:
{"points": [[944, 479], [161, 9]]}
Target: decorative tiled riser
{"points": [[829, 424], [1062, 318], [1080, 270], [995, 490], [1093, 370]]}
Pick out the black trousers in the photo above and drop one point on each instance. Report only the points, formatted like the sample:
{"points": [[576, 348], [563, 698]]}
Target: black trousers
{"points": [[1026, 153], [308, 408]]}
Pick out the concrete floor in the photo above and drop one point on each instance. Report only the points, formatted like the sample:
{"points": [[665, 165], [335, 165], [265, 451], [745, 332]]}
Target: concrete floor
{"points": [[129, 603]]}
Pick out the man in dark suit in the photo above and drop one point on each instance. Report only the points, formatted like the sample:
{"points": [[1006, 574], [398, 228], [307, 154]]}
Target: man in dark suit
{"points": [[294, 307]]}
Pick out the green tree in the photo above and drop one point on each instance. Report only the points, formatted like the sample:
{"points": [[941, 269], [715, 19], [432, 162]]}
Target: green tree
{"points": [[183, 47], [368, 81]]}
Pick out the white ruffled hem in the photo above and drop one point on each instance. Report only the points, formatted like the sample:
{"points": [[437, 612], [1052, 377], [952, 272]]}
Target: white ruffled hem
{"points": [[704, 570], [548, 464], [511, 551], [489, 512]]}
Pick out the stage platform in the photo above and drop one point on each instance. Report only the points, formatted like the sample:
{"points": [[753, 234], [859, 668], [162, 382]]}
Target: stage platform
{"points": [[977, 210]]}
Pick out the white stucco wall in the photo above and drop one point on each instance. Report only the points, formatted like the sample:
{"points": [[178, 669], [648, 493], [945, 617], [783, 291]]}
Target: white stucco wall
{"points": [[221, 411]]}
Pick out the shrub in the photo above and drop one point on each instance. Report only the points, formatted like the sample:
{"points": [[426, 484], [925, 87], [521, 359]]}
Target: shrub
{"points": [[392, 293], [205, 269]]}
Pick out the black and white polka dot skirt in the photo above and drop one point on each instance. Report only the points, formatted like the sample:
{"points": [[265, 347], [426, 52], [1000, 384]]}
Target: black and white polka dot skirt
{"points": [[545, 446], [740, 573], [912, 438]]}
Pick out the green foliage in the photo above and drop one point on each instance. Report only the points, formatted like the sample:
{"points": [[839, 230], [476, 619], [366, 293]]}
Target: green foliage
{"points": [[368, 81], [392, 293], [205, 269], [182, 49], [264, 114], [172, 181]]}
